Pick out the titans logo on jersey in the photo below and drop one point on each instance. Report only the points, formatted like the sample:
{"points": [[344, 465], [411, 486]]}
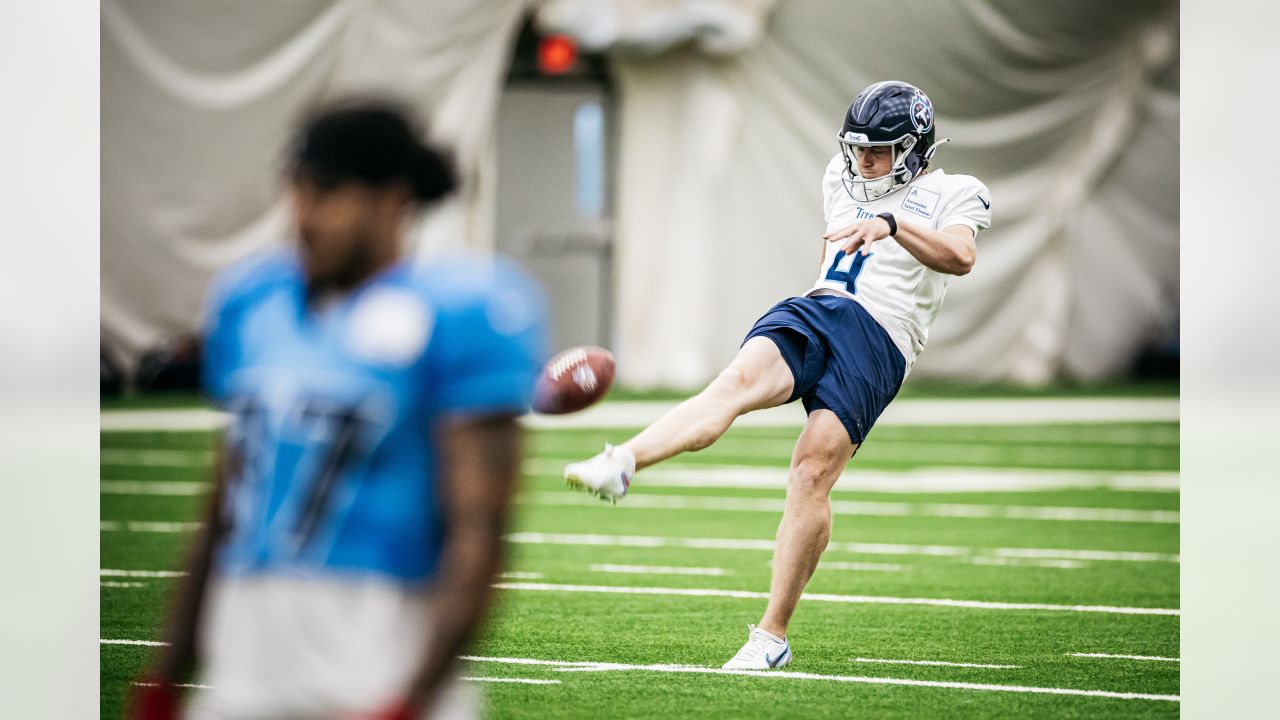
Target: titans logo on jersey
{"points": [[332, 461]]}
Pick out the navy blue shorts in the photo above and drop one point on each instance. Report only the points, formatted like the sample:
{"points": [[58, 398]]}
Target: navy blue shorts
{"points": [[840, 357]]}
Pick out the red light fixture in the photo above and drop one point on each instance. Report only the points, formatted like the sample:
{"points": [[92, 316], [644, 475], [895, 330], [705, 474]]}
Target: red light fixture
{"points": [[557, 54]]}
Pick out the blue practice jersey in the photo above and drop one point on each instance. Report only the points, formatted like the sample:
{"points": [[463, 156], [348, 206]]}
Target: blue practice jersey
{"points": [[333, 461]]}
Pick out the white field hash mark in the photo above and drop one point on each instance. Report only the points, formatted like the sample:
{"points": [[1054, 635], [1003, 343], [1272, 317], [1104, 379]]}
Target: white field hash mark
{"points": [[1126, 657], [871, 508], [828, 597], [659, 570], [787, 675], [861, 566], [650, 541], [776, 674], [943, 663]]}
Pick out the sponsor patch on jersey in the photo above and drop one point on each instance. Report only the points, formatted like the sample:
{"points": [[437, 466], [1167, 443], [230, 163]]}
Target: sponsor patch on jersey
{"points": [[389, 327], [921, 202]]}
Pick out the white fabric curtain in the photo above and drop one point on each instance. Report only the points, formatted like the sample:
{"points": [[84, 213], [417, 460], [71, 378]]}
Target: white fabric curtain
{"points": [[729, 110], [199, 99]]}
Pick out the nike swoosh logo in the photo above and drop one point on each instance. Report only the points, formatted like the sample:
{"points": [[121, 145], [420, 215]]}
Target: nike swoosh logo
{"points": [[773, 662], [985, 204]]}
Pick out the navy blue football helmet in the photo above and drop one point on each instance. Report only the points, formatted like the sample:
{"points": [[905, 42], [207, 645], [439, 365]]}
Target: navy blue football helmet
{"points": [[895, 114]]}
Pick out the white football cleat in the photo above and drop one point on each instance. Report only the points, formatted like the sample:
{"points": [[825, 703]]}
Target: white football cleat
{"points": [[607, 475], [763, 651]]}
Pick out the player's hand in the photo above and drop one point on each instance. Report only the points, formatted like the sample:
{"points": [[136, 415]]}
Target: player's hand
{"points": [[153, 700], [860, 235]]}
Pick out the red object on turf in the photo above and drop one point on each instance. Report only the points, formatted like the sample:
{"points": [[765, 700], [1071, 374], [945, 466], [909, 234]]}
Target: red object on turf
{"points": [[573, 380], [154, 701]]}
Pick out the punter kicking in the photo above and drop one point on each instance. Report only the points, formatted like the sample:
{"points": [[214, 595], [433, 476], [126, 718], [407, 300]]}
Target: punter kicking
{"points": [[895, 232]]}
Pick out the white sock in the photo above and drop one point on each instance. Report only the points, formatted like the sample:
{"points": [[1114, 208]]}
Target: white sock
{"points": [[771, 636]]}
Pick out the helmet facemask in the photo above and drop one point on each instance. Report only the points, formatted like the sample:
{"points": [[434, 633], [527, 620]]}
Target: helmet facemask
{"points": [[904, 168]]}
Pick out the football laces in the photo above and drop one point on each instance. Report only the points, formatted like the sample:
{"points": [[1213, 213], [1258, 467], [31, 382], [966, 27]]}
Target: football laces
{"points": [[566, 361]]}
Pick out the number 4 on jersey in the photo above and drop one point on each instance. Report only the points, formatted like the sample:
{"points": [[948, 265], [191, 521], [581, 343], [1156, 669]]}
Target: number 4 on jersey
{"points": [[846, 268]]}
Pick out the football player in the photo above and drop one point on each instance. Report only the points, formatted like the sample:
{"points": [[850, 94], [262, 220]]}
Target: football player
{"points": [[896, 231], [365, 480]]}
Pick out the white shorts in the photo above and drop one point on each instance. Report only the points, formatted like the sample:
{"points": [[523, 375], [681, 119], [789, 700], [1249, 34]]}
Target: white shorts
{"points": [[314, 647]]}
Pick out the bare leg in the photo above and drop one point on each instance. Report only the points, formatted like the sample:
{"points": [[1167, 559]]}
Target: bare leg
{"points": [[821, 453], [757, 378]]}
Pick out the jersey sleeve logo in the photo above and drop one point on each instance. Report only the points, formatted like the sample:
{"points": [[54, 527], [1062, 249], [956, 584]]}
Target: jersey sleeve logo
{"points": [[921, 202]]}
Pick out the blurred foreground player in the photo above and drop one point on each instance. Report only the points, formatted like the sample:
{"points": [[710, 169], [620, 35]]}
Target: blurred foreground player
{"points": [[895, 232], [364, 483]]}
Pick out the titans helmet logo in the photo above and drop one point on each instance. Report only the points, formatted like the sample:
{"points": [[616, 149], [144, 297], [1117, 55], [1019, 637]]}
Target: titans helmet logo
{"points": [[921, 113]]}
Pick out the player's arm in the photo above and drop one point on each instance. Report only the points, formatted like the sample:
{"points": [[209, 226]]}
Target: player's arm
{"points": [[480, 463], [175, 661], [951, 250]]}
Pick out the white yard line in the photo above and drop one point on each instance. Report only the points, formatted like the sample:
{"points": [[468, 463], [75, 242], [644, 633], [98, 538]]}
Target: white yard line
{"points": [[1021, 562], [148, 457], [147, 526], [143, 487], [521, 575], [194, 686], [861, 566], [111, 584], [928, 480], [882, 661], [108, 572], [827, 597], [788, 675], [747, 477], [650, 541], [1125, 657], [537, 538], [523, 681], [1013, 411], [863, 508], [147, 643], [659, 570]]}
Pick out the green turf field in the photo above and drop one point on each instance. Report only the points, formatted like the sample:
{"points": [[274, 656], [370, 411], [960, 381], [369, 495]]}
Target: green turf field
{"points": [[1010, 546]]}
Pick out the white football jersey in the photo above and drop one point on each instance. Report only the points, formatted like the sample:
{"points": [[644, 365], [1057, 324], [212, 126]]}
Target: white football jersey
{"points": [[895, 288]]}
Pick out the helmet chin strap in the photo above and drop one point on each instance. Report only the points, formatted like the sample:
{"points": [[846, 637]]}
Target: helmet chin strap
{"points": [[928, 154]]}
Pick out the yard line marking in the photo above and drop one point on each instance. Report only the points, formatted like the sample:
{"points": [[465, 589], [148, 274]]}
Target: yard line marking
{"points": [[924, 480], [521, 575], [882, 661], [660, 570], [527, 681], [1126, 657], [105, 572], [538, 538], [1120, 556], [524, 681], [871, 567], [148, 526], [790, 675], [827, 597], [148, 643], [137, 487], [864, 508], [149, 457], [1019, 562], [162, 420], [110, 584], [1011, 411]]}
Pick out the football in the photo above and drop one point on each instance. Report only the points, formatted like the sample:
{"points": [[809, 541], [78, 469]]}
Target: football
{"points": [[573, 380]]}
